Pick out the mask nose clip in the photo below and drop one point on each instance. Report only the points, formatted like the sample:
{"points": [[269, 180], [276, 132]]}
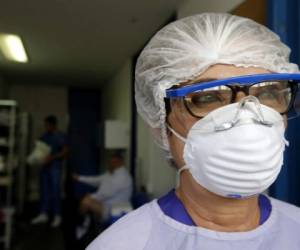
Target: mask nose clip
{"points": [[259, 117], [249, 98]]}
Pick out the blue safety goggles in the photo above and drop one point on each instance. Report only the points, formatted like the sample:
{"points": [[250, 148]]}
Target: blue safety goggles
{"points": [[278, 91]]}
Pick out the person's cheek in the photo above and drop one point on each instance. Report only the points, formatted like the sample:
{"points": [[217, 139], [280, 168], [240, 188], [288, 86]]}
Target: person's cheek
{"points": [[184, 119]]}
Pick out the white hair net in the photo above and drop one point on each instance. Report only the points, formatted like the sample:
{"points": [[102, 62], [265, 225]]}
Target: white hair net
{"points": [[184, 49]]}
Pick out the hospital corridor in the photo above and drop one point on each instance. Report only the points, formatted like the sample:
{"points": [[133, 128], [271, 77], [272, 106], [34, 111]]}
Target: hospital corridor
{"points": [[149, 125]]}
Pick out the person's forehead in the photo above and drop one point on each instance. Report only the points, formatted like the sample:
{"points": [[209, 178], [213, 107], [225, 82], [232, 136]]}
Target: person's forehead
{"points": [[222, 71]]}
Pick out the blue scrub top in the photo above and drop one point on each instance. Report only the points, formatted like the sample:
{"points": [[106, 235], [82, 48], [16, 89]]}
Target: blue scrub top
{"points": [[173, 207], [56, 141]]}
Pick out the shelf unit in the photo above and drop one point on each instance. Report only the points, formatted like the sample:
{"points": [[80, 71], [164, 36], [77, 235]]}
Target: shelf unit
{"points": [[22, 143], [8, 117]]}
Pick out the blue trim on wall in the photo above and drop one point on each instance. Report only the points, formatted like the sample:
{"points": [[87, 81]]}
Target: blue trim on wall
{"points": [[283, 19]]}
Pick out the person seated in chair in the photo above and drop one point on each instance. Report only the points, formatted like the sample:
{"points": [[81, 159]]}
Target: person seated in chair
{"points": [[114, 187]]}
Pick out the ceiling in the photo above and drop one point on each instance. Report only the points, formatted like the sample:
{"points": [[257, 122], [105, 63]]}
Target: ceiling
{"points": [[73, 39]]}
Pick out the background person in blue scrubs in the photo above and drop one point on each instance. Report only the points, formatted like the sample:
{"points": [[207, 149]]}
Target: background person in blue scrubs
{"points": [[50, 174]]}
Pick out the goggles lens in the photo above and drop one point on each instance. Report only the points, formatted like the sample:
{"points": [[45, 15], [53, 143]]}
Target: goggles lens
{"points": [[274, 94], [202, 102]]}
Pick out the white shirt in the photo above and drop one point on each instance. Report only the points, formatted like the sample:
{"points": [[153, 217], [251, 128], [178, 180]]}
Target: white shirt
{"points": [[113, 187], [148, 228]]}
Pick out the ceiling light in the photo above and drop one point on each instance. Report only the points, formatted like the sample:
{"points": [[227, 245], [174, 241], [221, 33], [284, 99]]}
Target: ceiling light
{"points": [[12, 48]]}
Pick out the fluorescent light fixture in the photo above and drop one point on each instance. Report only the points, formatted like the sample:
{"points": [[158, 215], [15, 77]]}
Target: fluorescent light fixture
{"points": [[12, 48]]}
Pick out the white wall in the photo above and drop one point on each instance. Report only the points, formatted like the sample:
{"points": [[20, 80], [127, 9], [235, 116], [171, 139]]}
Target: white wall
{"points": [[191, 7], [116, 95], [116, 101], [40, 101], [152, 169]]}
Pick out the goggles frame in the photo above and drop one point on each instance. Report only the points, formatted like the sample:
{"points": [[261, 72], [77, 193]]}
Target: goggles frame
{"points": [[240, 83]]}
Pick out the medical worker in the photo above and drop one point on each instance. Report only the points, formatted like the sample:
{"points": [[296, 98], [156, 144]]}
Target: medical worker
{"points": [[50, 174], [216, 90], [113, 187]]}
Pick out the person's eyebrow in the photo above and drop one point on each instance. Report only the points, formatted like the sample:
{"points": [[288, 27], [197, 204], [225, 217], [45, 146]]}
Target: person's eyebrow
{"points": [[203, 80]]}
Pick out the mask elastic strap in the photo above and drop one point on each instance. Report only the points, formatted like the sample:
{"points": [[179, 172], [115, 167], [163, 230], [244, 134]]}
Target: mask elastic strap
{"points": [[179, 173], [286, 142], [176, 134]]}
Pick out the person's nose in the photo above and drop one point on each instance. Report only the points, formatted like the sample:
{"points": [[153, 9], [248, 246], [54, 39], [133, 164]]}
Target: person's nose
{"points": [[239, 96]]}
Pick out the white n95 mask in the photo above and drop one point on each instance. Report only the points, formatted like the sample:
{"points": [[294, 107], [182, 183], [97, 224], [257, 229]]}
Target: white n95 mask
{"points": [[237, 150]]}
